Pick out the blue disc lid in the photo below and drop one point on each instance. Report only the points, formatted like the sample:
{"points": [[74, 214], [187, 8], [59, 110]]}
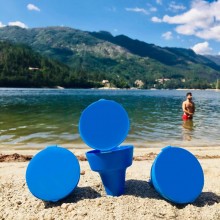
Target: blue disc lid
{"points": [[53, 173], [104, 125], [177, 175]]}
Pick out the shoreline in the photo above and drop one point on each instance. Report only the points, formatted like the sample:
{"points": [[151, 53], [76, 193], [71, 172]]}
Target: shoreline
{"points": [[16, 157], [137, 145], [140, 154], [100, 88]]}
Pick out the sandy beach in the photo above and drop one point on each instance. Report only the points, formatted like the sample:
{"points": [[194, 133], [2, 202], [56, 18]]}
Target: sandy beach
{"points": [[88, 201]]}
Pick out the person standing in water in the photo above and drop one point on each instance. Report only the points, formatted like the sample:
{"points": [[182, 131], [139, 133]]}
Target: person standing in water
{"points": [[188, 107]]}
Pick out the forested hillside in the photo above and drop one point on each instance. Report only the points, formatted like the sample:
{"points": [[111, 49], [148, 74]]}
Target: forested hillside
{"points": [[74, 58]]}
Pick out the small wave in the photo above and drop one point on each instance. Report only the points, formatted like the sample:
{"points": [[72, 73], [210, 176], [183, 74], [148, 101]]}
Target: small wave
{"points": [[12, 129]]}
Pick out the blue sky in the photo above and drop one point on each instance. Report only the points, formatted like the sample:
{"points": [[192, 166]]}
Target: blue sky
{"points": [[189, 24]]}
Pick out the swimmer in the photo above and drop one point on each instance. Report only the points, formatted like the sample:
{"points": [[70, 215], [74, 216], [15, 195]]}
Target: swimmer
{"points": [[188, 107]]}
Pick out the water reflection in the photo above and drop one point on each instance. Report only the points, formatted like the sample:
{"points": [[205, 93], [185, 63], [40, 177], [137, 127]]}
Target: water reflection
{"points": [[188, 129]]}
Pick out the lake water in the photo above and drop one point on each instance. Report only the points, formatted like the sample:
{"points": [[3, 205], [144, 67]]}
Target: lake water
{"points": [[35, 118]]}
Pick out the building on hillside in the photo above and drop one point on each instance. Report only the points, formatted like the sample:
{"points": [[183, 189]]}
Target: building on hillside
{"points": [[162, 80], [33, 68], [106, 83], [139, 83]]}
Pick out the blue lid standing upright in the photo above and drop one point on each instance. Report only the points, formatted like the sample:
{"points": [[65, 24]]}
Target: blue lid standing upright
{"points": [[177, 175], [53, 173], [104, 125]]}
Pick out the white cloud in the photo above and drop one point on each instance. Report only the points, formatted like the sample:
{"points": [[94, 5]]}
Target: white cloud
{"points": [[156, 20], [219, 53], [201, 20], [17, 23], [167, 36], [202, 48], [210, 33], [185, 30], [176, 7], [32, 7], [159, 2], [153, 9], [139, 10], [1, 24]]}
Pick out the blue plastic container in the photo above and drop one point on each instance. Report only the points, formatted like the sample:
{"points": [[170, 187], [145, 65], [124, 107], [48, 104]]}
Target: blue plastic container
{"points": [[104, 125], [177, 175], [111, 167], [53, 173]]}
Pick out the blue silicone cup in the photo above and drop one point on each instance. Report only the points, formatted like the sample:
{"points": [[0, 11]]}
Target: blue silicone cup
{"points": [[53, 173], [104, 125], [112, 167], [177, 175]]}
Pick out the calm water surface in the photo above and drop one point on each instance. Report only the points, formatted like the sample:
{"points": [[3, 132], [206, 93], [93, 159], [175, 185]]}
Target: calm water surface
{"points": [[35, 118]]}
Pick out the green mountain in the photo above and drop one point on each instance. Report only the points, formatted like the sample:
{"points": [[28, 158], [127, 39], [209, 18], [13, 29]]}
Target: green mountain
{"points": [[20, 66], [215, 58], [169, 56], [94, 56]]}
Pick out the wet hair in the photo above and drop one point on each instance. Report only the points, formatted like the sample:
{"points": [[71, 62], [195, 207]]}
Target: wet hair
{"points": [[188, 93]]}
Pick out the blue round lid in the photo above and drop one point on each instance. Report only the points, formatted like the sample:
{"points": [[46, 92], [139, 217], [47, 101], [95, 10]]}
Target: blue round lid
{"points": [[177, 175], [53, 173], [104, 125]]}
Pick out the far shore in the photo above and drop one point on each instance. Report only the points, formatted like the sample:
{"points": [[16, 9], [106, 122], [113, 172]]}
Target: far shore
{"points": [[103, 88]]}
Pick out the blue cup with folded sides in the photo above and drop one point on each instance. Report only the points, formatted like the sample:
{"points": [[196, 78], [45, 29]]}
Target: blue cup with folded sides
{"points": [[111, 166], [103, 126]]}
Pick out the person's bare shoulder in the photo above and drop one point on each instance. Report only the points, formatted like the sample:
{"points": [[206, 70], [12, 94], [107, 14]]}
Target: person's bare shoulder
{"points": [[184, 105]]}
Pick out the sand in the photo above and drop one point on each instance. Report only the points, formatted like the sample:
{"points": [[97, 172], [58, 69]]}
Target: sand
{"points": [[88, 201]]}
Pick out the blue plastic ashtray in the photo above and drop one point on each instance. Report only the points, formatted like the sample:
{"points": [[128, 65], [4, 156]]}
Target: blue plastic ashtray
{"points": [[104, 125], [111, 167], [53, 173], [177, 175]]}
